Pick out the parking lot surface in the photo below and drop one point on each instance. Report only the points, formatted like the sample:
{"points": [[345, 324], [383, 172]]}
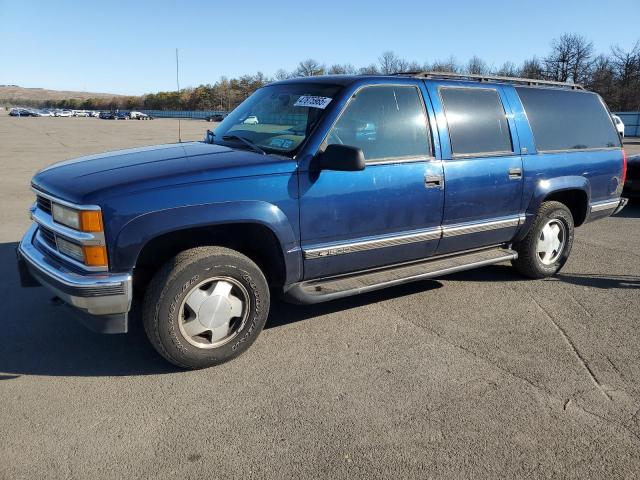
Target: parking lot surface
{"points": [[477, 374]]}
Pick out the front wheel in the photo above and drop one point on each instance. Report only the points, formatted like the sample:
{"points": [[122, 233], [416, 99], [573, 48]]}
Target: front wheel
{"points": [[205, 306], [546, 248]]}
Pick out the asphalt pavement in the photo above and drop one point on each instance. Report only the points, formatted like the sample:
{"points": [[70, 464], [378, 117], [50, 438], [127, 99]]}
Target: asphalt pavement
{"points": [[478, 374]]}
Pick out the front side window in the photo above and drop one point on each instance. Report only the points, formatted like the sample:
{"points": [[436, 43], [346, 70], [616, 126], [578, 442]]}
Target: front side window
{"points": [[277, 118], [385, 122], [477, 121], [567, 120]]}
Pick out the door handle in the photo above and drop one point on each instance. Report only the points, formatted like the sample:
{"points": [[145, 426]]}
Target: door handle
{"points": [[433, 181], [515, 173]]}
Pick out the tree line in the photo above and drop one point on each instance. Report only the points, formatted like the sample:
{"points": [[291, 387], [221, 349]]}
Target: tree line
{"points": [[571, 58]]}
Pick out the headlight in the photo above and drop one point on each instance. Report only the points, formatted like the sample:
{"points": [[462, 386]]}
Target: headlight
{"points": [[83, 220], [69, 248], [90, 255]]}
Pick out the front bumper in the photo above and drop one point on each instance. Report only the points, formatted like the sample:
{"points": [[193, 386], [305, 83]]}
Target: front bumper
{"points": [[101, 300]]}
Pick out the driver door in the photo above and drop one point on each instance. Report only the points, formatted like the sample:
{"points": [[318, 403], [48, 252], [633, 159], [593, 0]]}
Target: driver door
{"points": [[391, 211]]}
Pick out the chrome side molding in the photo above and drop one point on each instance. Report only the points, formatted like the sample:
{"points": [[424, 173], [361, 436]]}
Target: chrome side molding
{"points": [[342, 248], [423, 236], [606, 205], [453, 231]]}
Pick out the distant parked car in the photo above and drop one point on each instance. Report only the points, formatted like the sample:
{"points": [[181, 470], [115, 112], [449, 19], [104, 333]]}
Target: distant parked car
{"points": [[251, 120], [43, 113], [107, 115], [217, 117], [21, 112], [94, 113], [139, 116], [80, 113], [122, 116], [619, 125], [64, 113]]}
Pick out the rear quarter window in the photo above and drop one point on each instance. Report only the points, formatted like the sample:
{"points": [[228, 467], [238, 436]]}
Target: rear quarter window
{"points": [[476, 120], [567, 119]]}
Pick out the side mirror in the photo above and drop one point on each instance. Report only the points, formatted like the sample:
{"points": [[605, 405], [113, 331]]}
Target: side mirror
{"points": [[342, 158]]}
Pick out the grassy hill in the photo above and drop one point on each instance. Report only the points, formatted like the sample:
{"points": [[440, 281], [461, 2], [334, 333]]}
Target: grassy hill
{"points": [[15, 93]]}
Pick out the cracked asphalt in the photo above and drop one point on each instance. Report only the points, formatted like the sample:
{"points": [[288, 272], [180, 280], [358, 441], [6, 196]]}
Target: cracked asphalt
{"points": [[478, 374]]}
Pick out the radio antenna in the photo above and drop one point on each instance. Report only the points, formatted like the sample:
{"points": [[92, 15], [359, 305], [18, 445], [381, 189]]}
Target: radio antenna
{"points": [[178, 84]]}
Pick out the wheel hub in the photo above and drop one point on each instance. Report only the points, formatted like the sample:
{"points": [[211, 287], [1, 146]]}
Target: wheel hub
{"points": [[209, 312], [551, 241]]}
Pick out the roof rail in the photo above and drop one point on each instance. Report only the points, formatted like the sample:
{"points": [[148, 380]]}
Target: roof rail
{"points": [[489, 78]]}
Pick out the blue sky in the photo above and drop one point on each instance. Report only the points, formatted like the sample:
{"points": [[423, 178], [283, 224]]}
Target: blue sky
{"points": [[128, 47]]}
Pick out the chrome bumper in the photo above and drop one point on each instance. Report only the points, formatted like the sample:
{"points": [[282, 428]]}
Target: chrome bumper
{"points": [[103, 298]]}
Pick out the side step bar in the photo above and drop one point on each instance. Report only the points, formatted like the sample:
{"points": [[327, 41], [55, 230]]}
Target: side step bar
{"points": [[325, 289]]}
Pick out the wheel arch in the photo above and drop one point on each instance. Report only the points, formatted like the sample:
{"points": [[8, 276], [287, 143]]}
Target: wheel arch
{"points": [[572, 191], [259, 230]]}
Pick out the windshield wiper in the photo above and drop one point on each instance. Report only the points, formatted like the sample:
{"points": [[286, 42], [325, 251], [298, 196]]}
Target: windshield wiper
{"points": [[246, 141]]}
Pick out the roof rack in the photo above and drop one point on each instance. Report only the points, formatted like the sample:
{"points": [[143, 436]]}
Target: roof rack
{"points": [[489, 78]]}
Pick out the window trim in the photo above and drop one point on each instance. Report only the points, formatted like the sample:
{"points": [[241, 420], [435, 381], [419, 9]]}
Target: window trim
{"points": [[496, 153], [388, 160], [567, 150]]}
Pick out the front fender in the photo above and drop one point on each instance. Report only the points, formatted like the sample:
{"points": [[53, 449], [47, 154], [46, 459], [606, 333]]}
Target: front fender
{"points": [[135, 234], [542, 188]]}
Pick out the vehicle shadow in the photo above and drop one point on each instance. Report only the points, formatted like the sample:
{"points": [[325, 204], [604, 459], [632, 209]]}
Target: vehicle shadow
{"points": [[505, 273], [605, 282], [283, 313], [39, 338]]}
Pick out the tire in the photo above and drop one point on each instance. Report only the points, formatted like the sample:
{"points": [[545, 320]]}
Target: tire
{"points": [[199, 273], [531, 262]]}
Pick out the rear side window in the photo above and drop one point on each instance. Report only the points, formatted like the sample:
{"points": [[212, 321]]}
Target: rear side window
{"points": [[477, 121], [385, 122], [567, 120]]}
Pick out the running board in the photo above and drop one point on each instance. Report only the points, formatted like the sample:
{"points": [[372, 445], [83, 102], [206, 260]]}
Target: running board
{"points": [[325, 289]]}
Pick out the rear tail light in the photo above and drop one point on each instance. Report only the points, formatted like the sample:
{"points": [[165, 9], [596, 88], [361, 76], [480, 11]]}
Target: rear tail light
{"points": [[623, 177]]}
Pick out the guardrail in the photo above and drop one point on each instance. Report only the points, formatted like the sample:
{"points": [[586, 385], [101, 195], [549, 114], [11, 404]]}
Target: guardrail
{"points": [[631, 122]]}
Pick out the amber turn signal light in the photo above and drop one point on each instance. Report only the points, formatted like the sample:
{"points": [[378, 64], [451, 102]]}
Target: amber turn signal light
{"points": [[91, 221], [95, 255]]}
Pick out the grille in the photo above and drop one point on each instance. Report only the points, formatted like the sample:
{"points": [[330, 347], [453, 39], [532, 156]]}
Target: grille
{"points": [[44, 204], [48, 236]]}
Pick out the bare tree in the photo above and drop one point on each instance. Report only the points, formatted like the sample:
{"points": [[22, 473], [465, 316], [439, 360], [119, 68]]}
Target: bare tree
{"points": [[371, 69], [570, 58], [342, 69], [476, 66], [309, 68], [532, 68], [389, 63], [282, 74], [626, 68], [508, 69], [602, 79], [450, 65]]}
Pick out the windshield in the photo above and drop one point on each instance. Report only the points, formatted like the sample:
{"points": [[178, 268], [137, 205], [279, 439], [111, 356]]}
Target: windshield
{"points": [[277, 118]]}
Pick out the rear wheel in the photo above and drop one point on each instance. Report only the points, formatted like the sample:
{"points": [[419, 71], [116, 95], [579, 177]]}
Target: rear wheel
{"points": [[546, 248], [205, 306]]}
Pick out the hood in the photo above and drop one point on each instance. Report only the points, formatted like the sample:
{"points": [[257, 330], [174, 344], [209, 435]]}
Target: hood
{"points": [[86, 180]]}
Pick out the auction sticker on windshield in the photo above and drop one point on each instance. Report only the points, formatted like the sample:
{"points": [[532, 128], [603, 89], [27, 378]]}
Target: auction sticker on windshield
{"points": [[312, 101]]}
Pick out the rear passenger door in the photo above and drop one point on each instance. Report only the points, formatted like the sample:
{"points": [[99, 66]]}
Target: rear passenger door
{"points": [[482, 169]]}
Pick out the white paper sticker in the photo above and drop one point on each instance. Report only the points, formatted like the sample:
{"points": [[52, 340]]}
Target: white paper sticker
{"points": [[313, 102]]}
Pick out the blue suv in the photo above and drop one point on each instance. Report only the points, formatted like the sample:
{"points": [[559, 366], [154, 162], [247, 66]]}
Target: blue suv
{"points": [[316, 189]]}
